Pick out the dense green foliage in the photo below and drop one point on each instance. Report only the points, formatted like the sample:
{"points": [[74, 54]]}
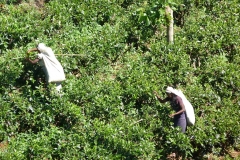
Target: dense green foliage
{"points": [[108, 109]]}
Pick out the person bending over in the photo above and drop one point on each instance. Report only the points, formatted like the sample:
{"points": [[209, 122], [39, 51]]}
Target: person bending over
{"points": [[50, 65], [179, 117]]}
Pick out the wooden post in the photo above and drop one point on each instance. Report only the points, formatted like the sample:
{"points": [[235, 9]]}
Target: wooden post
{"points": [[169, 18]]}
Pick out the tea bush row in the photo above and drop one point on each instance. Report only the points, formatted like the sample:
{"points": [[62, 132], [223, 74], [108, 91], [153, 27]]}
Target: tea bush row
{"points": [[108, 109]]}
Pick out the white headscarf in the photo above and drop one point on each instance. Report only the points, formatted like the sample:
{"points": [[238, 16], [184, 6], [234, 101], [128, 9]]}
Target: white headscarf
{"points": [[172, 90], [45, 50], [169, 89], [41, 47]]}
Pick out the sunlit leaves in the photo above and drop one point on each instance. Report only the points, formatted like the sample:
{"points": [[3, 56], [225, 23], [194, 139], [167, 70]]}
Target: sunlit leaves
{"points": [[115, 54]]}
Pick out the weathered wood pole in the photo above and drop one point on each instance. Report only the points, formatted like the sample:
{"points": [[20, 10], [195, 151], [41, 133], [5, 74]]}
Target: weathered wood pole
{"points": [[169, 19]]}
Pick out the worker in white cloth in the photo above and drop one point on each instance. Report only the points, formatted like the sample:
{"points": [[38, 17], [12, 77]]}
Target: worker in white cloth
{"points": [[51, 66]]}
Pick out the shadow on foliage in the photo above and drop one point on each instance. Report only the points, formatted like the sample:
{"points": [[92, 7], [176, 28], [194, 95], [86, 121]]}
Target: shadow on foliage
{"points": [[39, 107], [32, 75], [117, 149]]}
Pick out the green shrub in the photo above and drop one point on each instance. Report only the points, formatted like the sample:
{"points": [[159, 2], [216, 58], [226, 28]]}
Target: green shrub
{"points": [[114, 55]]}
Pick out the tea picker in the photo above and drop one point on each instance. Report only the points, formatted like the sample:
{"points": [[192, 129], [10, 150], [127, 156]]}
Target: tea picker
{"points": [[49, 63], [184, 112]]}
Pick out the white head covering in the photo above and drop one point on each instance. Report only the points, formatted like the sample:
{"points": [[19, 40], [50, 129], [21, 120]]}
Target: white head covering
{"points": [[172, 90], [45, 50], [169, 90], [42, 47]]}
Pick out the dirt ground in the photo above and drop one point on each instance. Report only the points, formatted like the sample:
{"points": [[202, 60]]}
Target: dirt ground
{"points": [[232, 154]]}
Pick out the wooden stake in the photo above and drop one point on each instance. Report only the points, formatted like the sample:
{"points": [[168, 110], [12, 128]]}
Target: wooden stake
{"points": [[80, 55], [169, 18], [69, 55]]}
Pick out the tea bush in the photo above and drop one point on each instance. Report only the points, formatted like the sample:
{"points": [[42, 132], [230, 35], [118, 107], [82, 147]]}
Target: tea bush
{"points": [[115, 54]]}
